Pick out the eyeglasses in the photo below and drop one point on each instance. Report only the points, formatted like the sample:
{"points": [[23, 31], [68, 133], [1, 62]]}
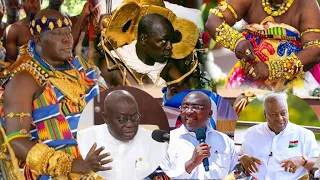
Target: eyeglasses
{"points": [[133, 118], [191, 107]]}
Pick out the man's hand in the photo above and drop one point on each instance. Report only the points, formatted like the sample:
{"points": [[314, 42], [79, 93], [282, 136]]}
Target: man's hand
{"points": [[200, 152], [257, 71], [249, 164], [87, 8], [244, 51], [94, 159], [292, 164]]}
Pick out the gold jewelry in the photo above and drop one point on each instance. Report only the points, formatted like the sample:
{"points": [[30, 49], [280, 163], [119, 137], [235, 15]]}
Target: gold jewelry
{"points": [[286, 69], [71, 87], [221, 8], [248, 52], [36, 158], [312, 43], [253, 75], [310, 30], [251, 70], [281, 9], [305, 160], [227, 37], [20, 115]]}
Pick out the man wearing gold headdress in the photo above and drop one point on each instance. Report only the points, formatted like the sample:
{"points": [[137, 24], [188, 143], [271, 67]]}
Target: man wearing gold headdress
{"points": [[148, 54], [278, 49], [43, 96]]}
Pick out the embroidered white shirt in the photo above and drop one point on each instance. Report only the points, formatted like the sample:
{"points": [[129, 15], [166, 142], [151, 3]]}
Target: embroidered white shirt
{"points": [[132, 160], [182, 144], [260, 142]]}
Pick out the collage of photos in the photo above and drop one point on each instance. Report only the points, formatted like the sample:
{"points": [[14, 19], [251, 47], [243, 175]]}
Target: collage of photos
{"points": [[159, 89]]}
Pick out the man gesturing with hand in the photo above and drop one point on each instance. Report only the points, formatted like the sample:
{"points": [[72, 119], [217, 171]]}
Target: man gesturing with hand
{"points": [[184, 159]]}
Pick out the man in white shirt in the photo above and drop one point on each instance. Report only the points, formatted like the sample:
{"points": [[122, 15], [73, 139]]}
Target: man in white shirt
{"points": [[132, 151], [278, 149], [185, 155]]}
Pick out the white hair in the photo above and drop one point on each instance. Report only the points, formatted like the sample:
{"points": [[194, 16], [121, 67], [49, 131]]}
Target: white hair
{"points": [[281, 97]]}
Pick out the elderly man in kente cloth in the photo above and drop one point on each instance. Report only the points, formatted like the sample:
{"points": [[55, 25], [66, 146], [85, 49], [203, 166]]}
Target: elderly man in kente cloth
{"points": [[43, 96], [154, 46], [277, 49]]}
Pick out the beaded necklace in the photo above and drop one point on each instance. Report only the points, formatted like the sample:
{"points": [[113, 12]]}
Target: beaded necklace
{"points": [[278, 9]]}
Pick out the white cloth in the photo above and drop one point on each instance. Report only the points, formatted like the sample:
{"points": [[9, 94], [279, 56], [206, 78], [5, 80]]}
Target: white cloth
{"points": [[182, 144], [132, 160], [260, 141], [129, 54]]}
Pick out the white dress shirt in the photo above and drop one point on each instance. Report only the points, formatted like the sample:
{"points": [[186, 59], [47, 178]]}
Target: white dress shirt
{"points": [[134, 160], [260, 142], [182, 144]]}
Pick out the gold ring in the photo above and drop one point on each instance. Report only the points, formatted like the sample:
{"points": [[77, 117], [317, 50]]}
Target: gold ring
{"points": [[251, 70], [253, 74], [248, 52]]}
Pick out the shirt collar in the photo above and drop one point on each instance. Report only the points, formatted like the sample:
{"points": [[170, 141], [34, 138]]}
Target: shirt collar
{"points": [[183, 130], [287, 129]]}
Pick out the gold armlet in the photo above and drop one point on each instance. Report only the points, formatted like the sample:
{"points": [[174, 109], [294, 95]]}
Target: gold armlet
{"points": [[38, 158], [286, 69], [310, 30], [312, 43], [228, 37], [221, 8], [20, 115]]}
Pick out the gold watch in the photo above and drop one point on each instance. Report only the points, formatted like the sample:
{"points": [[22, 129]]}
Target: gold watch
{"points": [[305, 160]]}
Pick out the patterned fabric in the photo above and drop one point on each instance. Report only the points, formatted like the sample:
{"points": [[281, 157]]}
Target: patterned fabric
{"points": [[270, 41], [55, 117]]}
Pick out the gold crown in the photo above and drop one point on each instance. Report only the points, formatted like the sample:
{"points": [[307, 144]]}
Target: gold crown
{"points": [[122, 27]]}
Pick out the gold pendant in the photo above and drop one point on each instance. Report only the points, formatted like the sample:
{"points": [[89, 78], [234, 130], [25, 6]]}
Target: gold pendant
{"points": [[72, 90]]}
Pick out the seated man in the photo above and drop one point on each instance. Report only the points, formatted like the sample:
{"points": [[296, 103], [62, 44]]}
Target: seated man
{"points": [[42, 97], [278, 149], [133, 154], [185, 154]]}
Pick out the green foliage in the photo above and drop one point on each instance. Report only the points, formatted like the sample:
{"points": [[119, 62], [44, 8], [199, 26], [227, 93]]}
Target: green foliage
{"points": [[299, 112], [72, 7]]}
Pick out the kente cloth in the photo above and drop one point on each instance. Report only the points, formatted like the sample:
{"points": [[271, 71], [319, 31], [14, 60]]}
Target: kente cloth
{"points": [[270, 41], [129, 54], [55, 117]]}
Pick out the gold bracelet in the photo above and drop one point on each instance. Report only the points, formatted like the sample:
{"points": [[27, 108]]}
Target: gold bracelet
{"points": [[20, 115], [221, 8], [310, 30], [311, 43], [36, 157], [59, 164], [286, 69], [227, 37]]}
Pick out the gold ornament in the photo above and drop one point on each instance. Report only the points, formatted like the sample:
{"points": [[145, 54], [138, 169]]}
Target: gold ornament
{"points": [[51, 26], [59, 22], [286, 69], [43, 20], [281, 9], [227, 37]]}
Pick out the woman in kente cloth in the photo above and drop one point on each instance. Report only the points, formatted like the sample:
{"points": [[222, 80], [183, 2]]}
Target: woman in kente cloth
{"points": [[42, 99], [278, 48]]}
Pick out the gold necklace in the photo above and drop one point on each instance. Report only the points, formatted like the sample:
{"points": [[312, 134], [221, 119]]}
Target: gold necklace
{"points": [[72, 88], [279, 11]]}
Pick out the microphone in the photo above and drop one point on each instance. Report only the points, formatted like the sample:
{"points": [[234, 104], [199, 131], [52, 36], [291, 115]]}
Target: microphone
{"points": [[201, 137], [160, 136]]}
